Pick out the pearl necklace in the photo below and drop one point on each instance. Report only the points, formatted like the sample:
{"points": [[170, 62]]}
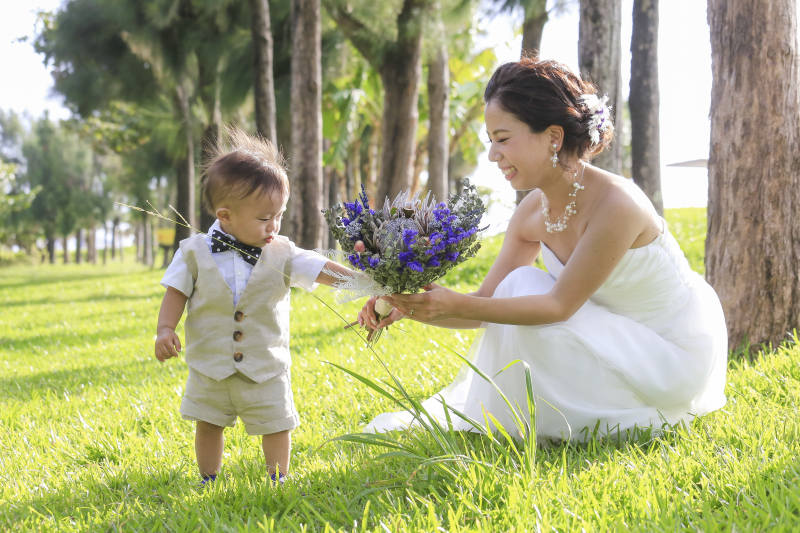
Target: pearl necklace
{"points": [[561, 223]]}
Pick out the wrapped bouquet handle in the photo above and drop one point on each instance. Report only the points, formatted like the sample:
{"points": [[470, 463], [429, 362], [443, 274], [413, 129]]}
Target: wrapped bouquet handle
{"points": [[408, 244]]}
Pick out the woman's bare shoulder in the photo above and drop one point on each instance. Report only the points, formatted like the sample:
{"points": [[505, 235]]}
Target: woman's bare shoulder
{"points": [[526, 216], [622, 202]]}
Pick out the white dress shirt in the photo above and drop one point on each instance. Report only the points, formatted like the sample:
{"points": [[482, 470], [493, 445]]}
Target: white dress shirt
{"points": [[306, 266]]}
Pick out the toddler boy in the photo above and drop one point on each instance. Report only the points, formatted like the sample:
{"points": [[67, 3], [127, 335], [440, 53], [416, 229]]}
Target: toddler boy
{"points": [[236, 281]]}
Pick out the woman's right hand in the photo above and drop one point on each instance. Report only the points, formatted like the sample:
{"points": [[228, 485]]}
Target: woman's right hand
{"points": [[368, 317]]}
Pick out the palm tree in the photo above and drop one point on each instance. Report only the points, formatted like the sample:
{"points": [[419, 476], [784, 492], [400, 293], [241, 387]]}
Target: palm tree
{"points": [[599, 58], [535, 16], [753, 241], [399, 63], [439, 110], [644, 101], [263, 78], [306, 169]]}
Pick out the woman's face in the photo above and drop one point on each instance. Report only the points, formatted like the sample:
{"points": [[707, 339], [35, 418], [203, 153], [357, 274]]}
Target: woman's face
{"points": [[522, 156]]}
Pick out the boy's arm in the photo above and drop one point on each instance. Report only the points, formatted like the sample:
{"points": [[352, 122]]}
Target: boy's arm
{"points": [[329, 280], [167, 342]]}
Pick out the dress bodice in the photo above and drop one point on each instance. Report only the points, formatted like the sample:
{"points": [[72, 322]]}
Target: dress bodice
{"points": [[646, 282]]}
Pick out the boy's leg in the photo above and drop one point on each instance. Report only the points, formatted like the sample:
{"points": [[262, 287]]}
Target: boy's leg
{"points": [[208, 445], [277, 448]]}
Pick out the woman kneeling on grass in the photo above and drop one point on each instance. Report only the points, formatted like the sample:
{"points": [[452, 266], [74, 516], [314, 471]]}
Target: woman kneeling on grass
{"points": [[619, 332]]}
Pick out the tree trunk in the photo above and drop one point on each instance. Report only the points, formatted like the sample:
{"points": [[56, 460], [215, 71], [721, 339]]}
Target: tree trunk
{"points": [[185, 201], [349, 177], [78, 248], [373, 156], [599, 57], [420, 154], [399, 64], [139, 241], [147, 249], [91, 244], [401, 73], [105, 241], [753, 241], [263, 80], [211, 83], [51, 247], [66, 252], [121, 242], [307, 122], [114, 238], [334, 193], [644, 102], [439, 132], [533, 27]]}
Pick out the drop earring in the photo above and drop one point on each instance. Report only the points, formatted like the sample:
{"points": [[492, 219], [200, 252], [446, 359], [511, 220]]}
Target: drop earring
{"points": [[554, 159]]}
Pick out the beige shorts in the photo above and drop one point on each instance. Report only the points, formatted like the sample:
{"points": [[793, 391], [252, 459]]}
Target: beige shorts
{"points": [[264, 408]]}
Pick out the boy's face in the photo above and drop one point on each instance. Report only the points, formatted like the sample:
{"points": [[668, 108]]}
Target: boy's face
{"points": [[254, 220]]}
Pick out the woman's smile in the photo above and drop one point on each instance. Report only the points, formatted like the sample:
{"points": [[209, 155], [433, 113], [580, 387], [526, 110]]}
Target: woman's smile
{"points": [[509, 172]]}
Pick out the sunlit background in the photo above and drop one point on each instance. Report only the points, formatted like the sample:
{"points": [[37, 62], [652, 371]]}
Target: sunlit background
{"points": [[684, 79]]}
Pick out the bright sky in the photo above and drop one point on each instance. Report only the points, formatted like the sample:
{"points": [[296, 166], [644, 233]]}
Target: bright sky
{"points": [[26, 84], [684, 77]]}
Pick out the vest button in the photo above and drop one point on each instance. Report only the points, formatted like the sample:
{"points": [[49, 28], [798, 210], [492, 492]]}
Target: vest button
{"points": [[238, 316], [238, 356], [238, 335]]}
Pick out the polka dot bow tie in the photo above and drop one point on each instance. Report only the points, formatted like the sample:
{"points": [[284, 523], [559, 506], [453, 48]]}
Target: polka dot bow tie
{"points": [[223, 243]]}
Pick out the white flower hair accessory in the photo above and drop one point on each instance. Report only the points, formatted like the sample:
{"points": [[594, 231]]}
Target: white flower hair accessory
{"points": [[600, 115]]}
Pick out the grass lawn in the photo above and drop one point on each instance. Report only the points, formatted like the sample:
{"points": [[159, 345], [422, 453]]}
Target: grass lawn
{"points": [[92, 440]]}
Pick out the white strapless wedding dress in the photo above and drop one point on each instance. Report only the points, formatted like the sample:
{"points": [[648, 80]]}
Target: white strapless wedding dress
{"points": [[650, 346]]}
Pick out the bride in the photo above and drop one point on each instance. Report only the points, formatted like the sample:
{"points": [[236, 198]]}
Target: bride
{"points": [[619, 332]]}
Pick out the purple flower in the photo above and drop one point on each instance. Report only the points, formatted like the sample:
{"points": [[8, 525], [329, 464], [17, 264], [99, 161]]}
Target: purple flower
{"points": [[415, 266], [405, 257], [451, 256], [409, 236], [373, 261], [433, 262], [365, 199], [346, 221], [440, 214]]}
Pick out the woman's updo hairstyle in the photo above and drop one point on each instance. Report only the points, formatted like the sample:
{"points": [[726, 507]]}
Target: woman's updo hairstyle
{"points": [[546, 93]]}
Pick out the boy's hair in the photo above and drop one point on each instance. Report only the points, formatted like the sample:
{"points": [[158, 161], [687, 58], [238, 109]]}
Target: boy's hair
{"points": [[240, 165]]}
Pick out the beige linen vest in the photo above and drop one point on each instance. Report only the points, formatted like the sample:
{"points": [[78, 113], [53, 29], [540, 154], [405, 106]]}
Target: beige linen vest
{"points": [[252, 337]]}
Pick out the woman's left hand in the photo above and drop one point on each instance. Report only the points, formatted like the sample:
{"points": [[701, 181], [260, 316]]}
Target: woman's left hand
{"points": [[436, 303]]}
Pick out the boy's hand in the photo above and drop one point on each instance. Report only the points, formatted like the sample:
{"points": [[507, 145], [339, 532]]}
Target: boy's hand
{"points": [[368, 318], [167, 344]]}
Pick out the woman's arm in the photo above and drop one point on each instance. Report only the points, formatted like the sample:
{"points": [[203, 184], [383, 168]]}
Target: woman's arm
{"points": [[607, 238], [516, 251], [367, 317]]}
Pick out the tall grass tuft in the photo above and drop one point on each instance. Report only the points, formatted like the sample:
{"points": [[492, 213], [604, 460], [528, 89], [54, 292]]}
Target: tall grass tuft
{"points": [[441, 449]]}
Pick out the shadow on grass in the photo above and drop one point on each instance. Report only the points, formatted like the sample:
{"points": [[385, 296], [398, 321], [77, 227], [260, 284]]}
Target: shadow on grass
{"points": [[36, 279], [99, 298], [70, 380]]}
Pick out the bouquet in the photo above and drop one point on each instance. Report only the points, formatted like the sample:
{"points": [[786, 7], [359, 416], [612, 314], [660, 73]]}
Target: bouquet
{"points": [[405, 246]]}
